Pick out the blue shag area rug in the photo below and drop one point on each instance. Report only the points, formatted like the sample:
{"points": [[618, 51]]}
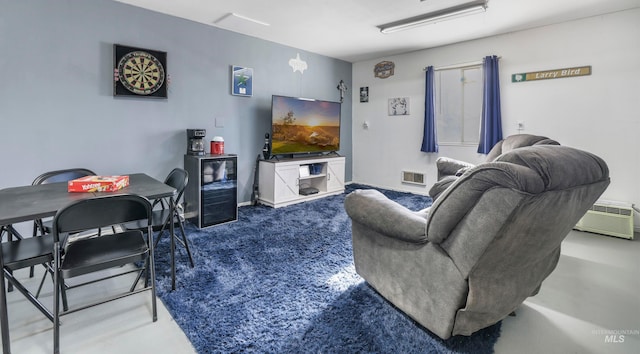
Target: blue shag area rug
{"points": [[283, 281]]}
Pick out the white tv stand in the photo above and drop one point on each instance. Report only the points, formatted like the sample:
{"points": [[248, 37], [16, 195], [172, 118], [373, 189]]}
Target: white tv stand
{"points": [[280, 181]]}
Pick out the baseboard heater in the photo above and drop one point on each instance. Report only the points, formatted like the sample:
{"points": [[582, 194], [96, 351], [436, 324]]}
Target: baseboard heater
{"points": [[608, 218]]}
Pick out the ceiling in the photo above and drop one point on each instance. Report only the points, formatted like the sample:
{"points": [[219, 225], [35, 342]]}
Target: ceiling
{"points": [[348, 30]]}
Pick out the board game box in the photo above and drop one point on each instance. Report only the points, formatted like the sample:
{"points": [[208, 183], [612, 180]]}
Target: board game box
{"points": [[98, 184]]}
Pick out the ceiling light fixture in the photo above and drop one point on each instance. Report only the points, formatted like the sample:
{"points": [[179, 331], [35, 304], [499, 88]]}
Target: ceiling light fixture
{"points": [[242, 17], [450, 13]]}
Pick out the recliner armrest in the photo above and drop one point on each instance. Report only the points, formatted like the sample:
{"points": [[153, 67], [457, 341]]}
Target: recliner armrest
{"points": [[450, 167], [373, 209]]}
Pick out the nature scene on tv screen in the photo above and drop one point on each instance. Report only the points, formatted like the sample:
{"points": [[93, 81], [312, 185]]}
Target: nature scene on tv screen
{"points": [[300, 126]]}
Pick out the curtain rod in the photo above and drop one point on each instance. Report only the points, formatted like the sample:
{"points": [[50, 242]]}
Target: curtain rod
{"points": [[459, 65]]}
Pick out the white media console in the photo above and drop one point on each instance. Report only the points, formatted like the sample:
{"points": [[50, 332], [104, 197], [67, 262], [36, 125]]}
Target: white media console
{"points": [[280, 181]]}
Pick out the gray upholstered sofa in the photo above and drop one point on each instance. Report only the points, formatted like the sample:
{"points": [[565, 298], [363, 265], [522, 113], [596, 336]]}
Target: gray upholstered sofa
{"points": [[484, 246], [450, 169]]}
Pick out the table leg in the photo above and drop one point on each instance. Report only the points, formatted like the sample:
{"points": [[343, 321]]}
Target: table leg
{"points": [[173, 243]]}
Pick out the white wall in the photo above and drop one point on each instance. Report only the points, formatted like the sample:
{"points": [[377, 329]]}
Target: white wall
{"points": [[598, 113]]}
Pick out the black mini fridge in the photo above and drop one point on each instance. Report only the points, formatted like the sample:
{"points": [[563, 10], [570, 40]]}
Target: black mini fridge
{"points": [[211, 196]]}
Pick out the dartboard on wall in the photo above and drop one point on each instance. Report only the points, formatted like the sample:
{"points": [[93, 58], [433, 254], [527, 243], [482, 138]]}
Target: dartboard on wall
{"points": [[139, 72]]}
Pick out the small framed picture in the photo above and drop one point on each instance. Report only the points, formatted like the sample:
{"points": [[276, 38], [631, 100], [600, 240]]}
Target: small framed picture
{"points": [[364, 94], [304, 171], [241, 81], [399, 106]]}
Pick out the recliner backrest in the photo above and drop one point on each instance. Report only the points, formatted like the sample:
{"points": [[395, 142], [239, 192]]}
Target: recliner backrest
{"points": [[517, 141], [513, 194]]}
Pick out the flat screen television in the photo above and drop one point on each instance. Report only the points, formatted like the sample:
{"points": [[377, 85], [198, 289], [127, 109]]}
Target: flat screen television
{"points": [[304, 126]]}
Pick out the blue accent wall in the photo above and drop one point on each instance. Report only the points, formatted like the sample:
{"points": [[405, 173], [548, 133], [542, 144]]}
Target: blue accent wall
{"points": [[57, 108]]}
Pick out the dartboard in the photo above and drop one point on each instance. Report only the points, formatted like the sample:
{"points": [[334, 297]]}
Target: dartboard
{"points": [[140, 72]]}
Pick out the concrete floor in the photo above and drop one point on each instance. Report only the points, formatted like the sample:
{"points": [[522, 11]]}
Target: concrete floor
{"points": [[589, 304], [122, 326]]}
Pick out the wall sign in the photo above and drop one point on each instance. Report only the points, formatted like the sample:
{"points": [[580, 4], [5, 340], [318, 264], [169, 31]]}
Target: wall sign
{"points": [[552, 74], [139, 72], [384, 69]]}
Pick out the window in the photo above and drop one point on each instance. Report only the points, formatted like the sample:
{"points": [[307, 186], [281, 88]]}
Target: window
{"points": [[458, 110]]}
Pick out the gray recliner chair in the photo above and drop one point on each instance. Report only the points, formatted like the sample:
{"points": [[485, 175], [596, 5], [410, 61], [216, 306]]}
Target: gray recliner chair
{"points": [[450, 169], [484, 246]]}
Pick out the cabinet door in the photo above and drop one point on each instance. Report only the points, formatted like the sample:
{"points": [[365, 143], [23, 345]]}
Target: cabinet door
{"points": [[335, 175], [286, 183]]}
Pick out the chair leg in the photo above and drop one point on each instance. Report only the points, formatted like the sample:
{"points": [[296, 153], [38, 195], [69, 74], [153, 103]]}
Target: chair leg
{"points": [[4, 321], [186, 244], [155, 243], [146, 281], [152, 278], [34, 234], [56, 299], [44, 277], [28, 295], [63, 292], [37, 226]]}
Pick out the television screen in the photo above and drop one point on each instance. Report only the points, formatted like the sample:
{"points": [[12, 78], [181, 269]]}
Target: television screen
{"points": [[302, 125]]}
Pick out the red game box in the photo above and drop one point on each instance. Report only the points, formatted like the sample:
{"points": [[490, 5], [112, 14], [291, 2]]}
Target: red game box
{"points": [[98, 184]]}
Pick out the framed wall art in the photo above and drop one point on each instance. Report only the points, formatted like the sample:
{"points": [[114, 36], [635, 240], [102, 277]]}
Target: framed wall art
{"points": [[399, 106], [364, 94], [139, 72], [241, 81]]}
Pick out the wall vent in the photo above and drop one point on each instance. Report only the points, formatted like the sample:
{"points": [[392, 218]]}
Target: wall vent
{"points": [[608, 218], [413, 177]]}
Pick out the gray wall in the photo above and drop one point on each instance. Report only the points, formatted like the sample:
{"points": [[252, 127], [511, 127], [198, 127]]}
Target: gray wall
{"points": [[57, 108]]}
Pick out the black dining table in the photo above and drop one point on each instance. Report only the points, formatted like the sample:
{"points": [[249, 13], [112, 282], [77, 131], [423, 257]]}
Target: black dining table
{"points": [[27, 203]]}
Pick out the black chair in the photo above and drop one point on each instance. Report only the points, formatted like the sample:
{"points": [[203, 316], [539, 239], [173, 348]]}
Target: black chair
{"points": [[19, 254], [24, 253], [161, 218], [105, 251], [44, 226]]}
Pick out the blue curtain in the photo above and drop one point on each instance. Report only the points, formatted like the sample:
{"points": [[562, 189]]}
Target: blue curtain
{"points": [[429, 137], [491, 126]]}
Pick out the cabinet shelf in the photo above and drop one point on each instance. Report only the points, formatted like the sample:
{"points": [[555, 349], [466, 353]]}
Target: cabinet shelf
{"points": [[321, 175]]}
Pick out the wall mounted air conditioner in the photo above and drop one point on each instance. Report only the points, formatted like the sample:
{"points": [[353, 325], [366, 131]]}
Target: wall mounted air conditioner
{"points": [[608, 218]]}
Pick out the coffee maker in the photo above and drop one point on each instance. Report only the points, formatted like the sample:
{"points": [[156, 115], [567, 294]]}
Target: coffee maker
{"points": [[195, 143]]}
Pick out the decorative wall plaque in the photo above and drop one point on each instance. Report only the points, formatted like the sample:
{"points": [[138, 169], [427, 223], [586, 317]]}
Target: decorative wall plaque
{"points": [[384, 69], [139, 72]]}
